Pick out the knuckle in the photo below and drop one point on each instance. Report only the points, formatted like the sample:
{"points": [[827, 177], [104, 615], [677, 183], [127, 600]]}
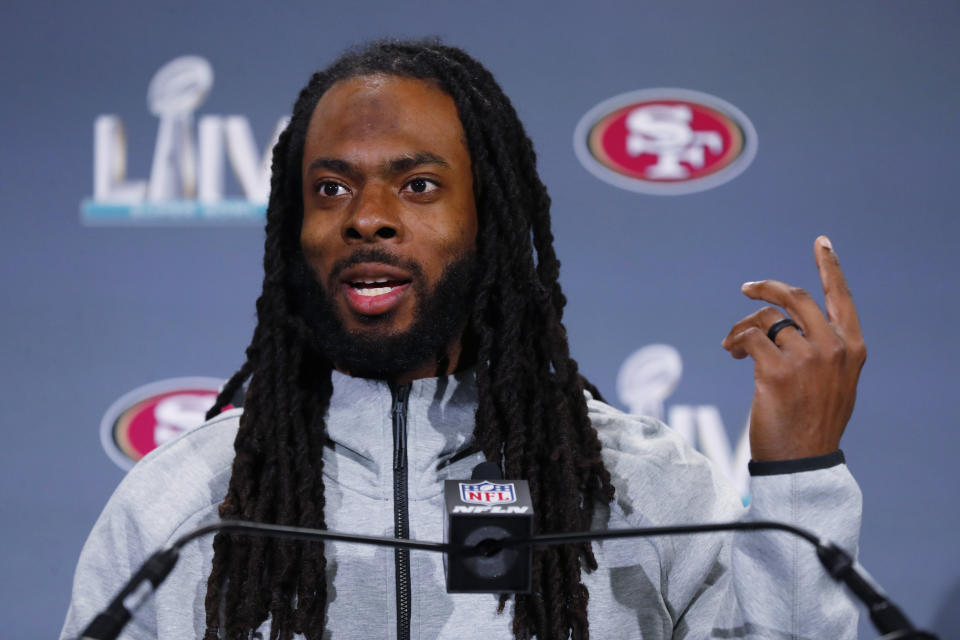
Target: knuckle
{"points": [[808, 357], [769, 314], [780, 375], [836, 351], [797, 293], [858, 351]]}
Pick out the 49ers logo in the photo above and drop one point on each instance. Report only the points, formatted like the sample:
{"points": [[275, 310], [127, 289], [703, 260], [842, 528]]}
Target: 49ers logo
{"points": [[145, 418], [665, 141], [488, 493]]}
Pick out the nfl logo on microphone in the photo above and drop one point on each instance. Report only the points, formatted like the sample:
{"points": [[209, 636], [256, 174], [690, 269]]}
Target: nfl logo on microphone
{"points": [[487, 493]]}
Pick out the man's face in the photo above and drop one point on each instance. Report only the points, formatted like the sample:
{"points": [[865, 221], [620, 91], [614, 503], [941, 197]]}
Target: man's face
{"points": [[388, 209]]}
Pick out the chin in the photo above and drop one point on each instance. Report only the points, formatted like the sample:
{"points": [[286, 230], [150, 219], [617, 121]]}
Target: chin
{"points": [[353, 321]]}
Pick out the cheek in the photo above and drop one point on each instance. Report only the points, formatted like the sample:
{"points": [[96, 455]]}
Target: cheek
{"points": [[313, 243], [317, 231], [468, 233], [471, 228], [445, 229], [461, 229], [309, 246], [455, 239]]}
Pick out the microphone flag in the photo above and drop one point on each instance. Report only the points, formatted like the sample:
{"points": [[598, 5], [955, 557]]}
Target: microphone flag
{"points": [[488, 510]]}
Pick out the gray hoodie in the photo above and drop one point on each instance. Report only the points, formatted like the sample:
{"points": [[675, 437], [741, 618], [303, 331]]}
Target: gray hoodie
{"points": [[743, 585]]}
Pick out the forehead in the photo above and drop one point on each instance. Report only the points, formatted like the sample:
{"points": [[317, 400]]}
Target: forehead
{"points": [[395, 113]]}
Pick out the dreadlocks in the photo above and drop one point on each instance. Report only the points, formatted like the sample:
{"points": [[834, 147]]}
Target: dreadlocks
{"points": [[531, 414]]}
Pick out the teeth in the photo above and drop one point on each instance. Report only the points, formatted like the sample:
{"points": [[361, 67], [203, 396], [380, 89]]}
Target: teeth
{"points": [[378, 291], [374, 281]]}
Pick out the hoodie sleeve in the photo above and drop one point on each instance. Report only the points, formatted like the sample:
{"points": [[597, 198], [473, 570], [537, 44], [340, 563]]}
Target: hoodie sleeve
{"points": [[114, 549], [171, 491], [743, 584]]}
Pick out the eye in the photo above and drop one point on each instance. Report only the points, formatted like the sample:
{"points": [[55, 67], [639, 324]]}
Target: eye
{"points": [[331, 189], [421, 185]]}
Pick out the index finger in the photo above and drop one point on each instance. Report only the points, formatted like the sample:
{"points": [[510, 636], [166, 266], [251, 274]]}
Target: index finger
{"points": [[841, 312]]}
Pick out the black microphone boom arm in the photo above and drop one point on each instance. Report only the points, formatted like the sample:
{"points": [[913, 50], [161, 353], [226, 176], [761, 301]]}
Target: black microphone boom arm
{"points": [[886, 617]]}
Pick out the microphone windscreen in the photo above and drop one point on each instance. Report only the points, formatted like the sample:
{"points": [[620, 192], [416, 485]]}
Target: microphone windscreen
{"points": [[486, 471]]}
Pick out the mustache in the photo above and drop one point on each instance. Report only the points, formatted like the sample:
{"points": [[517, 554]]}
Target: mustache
{"points": [[375, 254]]}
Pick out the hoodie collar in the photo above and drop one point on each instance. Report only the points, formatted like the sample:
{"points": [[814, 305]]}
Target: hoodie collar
{"points": [[440, 419]]}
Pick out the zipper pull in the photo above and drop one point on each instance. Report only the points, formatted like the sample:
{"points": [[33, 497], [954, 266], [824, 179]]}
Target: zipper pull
{"points": [[400, 395]]}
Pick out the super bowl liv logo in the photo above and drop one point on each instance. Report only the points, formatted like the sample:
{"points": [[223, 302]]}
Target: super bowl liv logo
{"points": [[187, 175], [647, 378]]}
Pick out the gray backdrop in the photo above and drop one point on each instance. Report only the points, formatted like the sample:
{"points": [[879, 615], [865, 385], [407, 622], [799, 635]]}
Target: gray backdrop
{"points": [[855, 104]]}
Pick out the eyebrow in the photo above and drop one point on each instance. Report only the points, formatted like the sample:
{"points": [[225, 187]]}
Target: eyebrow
{"points": [[407, 162], [336, 165], [387, 168]]}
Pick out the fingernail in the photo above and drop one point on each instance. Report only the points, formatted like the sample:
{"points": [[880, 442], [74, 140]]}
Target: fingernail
{"points": [[746, 285], [825, 242]]}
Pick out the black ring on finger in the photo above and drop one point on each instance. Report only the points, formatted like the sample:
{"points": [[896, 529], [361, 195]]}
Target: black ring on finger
{"points": [[779, 326]]}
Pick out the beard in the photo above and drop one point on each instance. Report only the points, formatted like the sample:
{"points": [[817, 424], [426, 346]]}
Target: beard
{"points": [[439, 319]]}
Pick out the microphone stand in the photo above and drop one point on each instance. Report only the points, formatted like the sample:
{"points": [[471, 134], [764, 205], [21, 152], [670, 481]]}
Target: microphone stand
{"points": [[887, 618], [111, 621]]}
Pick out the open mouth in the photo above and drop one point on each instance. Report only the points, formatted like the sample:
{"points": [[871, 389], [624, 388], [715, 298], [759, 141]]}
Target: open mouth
{"points": [[372, 288], [378, 287]]}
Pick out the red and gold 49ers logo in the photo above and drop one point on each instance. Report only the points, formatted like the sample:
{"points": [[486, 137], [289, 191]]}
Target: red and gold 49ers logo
{"points": [[665, 141], [147, 417]]}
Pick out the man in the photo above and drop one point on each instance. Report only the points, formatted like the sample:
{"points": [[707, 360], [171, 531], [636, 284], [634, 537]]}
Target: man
{"points": [[409, 328]]}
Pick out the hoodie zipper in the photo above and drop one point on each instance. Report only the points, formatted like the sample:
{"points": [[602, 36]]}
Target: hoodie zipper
{"points": [[401, 513]]}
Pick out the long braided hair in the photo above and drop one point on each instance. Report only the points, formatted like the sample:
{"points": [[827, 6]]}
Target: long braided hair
{"points": [[531, 414]]}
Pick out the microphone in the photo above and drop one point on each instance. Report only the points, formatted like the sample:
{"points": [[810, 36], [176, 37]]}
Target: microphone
{"points": [[479, 513], [111, 621], [497, 556]]}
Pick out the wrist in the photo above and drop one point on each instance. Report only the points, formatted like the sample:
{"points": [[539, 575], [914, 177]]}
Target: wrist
{"points": [[796, 465]]}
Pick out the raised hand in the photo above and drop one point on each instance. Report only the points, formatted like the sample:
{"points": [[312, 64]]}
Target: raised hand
{"points": [[805, 380]]}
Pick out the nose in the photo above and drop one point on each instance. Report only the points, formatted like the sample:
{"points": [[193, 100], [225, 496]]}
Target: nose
{"points": [[373, 217]]}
